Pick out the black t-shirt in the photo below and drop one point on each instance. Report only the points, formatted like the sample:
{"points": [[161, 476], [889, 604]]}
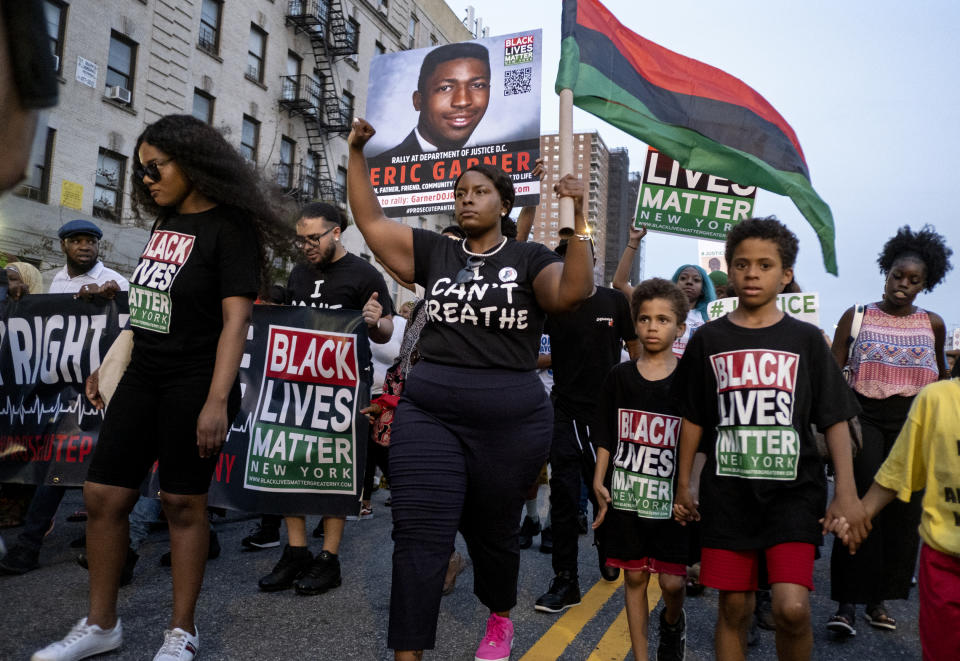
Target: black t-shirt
{"points": [[761, 389], [640, 426], [584, 345], [190, 264], [493, 321], [347, 283]]}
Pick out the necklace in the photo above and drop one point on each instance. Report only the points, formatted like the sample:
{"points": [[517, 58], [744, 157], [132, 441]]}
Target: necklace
{"points": [[492, 251]]}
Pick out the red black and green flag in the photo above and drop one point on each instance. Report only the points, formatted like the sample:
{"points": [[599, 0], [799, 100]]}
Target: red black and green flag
{"points": [[695, 113]]}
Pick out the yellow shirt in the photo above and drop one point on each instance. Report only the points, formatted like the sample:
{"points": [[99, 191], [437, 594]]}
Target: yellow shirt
{"points": [[927, 455]]}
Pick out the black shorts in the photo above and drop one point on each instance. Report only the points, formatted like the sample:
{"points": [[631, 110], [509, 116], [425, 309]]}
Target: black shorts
{"points": [[152, 419], [630, 537]]}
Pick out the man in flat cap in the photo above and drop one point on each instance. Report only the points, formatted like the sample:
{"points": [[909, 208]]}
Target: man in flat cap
{"points": [[84, 273]]}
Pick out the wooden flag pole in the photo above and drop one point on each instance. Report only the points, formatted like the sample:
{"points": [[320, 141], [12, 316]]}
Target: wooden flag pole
{"points": [[566, 230]]}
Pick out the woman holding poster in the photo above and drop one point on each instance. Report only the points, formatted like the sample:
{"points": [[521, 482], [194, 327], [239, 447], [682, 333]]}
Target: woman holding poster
{"points": [[474, 426], [191, 297]]}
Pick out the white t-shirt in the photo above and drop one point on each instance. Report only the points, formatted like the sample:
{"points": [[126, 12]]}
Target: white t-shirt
{"points": [[694, 321], [384, 355], [98, 275]]}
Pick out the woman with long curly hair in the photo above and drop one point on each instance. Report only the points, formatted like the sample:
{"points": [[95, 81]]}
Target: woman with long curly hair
{"points": [[895, 352], [191, 297]]}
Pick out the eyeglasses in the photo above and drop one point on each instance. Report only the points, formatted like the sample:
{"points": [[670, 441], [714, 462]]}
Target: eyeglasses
{"points": [[312, 239], [151, 169], [471, 271]]}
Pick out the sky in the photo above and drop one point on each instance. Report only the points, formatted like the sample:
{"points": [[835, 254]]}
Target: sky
{"points": [[869, 87]]}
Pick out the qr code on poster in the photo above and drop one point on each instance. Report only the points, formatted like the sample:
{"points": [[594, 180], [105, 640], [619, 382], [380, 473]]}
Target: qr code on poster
{"points": [[517, 81]]}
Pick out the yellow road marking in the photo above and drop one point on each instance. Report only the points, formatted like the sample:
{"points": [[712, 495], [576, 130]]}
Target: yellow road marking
{"points": [[615, 643], [565, 629]]}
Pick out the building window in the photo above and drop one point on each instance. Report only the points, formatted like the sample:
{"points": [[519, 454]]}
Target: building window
{"points": [[346, 106], [203, 106], [121, 62], [433, 39], [55, 13], [209, 40], [249, 137], [412, 31], [341, 187], [379, 49], [285, 167], [256, 51], [308, 179], [37, 184], [353, 35], [108, 189]]}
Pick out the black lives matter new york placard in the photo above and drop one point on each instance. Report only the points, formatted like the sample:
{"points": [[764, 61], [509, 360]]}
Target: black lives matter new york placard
{"points": [[755, 435], [643, 467]]}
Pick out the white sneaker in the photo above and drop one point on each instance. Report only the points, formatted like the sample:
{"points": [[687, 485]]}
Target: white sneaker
{"points": [[178, 645], [83, 640]]}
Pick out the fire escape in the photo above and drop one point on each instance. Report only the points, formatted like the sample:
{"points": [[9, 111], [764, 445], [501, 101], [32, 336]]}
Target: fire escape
{"points": [[315, 98]]}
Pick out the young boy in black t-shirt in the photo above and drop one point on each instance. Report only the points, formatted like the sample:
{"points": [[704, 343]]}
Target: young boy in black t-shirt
{"points": [[761, 379], [639, 428]]}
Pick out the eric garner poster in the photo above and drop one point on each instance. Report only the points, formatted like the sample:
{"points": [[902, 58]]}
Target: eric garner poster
{"points": [[440, 110]]}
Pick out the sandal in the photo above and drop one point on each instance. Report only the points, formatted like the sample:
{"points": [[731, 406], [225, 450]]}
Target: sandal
{"points": [[877, 617], [841, 624]]}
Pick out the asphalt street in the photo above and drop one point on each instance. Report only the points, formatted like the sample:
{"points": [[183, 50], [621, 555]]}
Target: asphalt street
{"points": [[238, 622]]}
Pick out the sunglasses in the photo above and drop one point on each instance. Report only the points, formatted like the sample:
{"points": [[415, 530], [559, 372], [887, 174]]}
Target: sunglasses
{"points": [[312, 239], [151, 169], [471, 271]]}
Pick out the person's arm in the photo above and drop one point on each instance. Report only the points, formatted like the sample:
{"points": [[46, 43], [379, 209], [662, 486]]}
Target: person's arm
{"points": [[212, 422], [599, 490], [560, 287], [939, 341], [845, 503], [527, 214], [390, 241], [841, 338], [621, 278], [396, 278], [685, 503], [379, 326], [544, 361]]}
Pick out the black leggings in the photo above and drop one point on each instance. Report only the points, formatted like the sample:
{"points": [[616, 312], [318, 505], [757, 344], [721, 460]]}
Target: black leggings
{"points": [[465, 447]]}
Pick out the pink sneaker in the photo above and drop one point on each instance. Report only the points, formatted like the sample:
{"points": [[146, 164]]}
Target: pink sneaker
{"points": [[498, 642]]}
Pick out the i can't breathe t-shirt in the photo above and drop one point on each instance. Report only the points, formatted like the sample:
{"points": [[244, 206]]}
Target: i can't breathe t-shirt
{"points": [[190, 264], [492, 321]]}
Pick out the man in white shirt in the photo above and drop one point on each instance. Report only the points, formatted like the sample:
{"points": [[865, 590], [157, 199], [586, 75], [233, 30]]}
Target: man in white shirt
{"points": [[84, 272]]}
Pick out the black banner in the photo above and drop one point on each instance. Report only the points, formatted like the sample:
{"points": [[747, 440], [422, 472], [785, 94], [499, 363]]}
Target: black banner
{"points": [[293, 448]]}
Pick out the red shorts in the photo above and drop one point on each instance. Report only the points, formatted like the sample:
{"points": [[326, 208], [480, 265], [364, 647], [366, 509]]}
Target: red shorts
{"points": [[736, 571], [939, 581], [650, 565]]}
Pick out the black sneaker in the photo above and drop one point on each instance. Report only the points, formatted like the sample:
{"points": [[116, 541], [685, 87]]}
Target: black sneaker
{"points": [[293, 564], [546, 540], [126, 576], [528, 531], [213, 551], [673, 638], [19, 560], [564, 592], [262, 537], [322, 575], [606, 573]]}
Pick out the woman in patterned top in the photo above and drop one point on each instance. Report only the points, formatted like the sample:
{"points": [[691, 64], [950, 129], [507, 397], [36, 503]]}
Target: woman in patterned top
{"points": [[898, 350]]}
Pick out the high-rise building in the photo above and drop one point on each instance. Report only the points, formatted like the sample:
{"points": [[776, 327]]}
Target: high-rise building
{"points": [[281, 79], [620, 208], [590, 163]]}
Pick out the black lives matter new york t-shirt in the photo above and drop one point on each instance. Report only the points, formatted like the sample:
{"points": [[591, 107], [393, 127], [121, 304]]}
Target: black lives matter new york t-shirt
{"points": [[190, 264], [584, 345], [494, 320], [761, 389], [347, 284], [640, 426]]}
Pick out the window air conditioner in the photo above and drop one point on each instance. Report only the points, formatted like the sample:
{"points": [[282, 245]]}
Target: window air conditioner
{"points": [[118, 93]]}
